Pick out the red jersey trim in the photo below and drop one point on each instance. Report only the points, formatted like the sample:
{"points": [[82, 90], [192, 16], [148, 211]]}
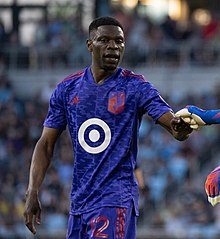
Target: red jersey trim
{"points": [[130, 73], [73, 76]]}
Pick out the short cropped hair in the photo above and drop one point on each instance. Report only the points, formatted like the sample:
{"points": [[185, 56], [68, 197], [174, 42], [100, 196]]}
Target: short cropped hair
{"points": [[102, 21]]}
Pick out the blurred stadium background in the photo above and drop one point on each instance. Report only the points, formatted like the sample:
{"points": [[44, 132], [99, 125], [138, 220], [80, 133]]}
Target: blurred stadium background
{"points": [[174, 43]]}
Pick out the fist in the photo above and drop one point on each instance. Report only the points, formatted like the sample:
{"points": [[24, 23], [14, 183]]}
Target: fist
{"points": [[212, 186], [192, 115]]}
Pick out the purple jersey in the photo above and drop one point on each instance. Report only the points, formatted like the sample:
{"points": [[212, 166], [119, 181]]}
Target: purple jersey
{"points": [[103, 120]]}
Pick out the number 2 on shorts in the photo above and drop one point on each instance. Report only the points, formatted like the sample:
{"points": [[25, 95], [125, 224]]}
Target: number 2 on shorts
{"points": [[98, 233]]}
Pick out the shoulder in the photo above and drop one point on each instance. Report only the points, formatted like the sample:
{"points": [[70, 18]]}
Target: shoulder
{"points": [[138, 80], [72, 79], [132, 75], [68, 83]]}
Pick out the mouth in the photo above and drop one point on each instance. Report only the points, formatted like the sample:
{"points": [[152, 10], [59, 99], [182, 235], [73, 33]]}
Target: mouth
{"points": [[112, 58]]}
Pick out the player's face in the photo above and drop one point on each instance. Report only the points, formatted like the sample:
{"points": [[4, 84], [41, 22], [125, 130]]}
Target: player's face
{"points": [[107, 47]]}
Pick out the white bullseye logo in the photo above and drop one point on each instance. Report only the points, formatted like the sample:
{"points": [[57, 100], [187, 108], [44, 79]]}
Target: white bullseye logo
{"points": [[94, 135]]}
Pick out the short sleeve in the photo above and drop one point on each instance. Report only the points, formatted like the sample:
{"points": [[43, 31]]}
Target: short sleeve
{"points": [[151, 102], [56, 117]]}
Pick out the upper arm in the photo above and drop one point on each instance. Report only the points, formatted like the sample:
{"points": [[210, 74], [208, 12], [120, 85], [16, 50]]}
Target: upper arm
{"points": [[151, 102], [56, 117], [48, 139]]}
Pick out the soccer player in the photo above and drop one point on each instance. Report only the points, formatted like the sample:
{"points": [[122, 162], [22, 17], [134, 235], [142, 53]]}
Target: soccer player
{"points": [[102, 106], [199, 117]]}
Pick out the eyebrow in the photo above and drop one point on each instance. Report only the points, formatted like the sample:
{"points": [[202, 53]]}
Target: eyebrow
{"points": [[110, 36]]}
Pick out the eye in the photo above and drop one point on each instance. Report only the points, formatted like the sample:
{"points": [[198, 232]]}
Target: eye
{"points": [[120, 41], [103, 40]]}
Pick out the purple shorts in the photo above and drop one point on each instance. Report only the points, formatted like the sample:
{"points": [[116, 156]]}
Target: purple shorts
{"points": [[105, 222]]}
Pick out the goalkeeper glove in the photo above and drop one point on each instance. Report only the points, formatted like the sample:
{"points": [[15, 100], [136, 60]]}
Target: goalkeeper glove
{"points": [[198, 117], [212, 186]]}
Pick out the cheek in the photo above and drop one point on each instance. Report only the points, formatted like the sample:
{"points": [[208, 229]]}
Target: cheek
{"points": [[97, 53], [122, 49]]}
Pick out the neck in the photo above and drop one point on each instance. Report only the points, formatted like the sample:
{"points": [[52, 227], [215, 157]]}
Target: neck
{"points": [[100, 75]]}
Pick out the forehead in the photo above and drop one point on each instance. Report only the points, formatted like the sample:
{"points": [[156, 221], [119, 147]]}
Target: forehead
{"points": [[109, 30]]}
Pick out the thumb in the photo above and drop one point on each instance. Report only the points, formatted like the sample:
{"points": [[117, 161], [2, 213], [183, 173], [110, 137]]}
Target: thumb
{"points": [[183, 113]]}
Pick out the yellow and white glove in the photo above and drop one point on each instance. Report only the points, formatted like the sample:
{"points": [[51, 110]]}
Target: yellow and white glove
{"points": [[188, 118], [198, 117], [212, 186]]}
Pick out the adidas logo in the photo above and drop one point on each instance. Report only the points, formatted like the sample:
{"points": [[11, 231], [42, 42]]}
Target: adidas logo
{"points": [[75, 100]]}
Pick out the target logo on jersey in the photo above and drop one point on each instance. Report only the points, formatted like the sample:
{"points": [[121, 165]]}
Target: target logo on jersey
{"points": [[94, 135]]}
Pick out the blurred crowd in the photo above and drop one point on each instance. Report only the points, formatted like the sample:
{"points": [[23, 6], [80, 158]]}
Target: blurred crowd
{"points": [[174, 172], [61, 42]]}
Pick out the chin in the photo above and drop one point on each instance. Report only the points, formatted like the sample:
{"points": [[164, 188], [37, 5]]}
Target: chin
{"points": [[110, 67]]}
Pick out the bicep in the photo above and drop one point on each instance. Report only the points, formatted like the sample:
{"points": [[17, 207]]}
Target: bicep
{"points": [[51, 134], [48, 139]]}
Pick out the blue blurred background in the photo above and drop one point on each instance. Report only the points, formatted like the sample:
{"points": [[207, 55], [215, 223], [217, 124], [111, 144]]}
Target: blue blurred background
{"points": [[174, 43]]}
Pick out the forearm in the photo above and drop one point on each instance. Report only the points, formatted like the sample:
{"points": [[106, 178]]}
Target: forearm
{"points": [[140, 178], [212, 116], [40, 162], [177, 127]]}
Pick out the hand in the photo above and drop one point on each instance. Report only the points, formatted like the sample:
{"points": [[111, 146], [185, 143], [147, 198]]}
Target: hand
{"points": [[179, 124], [180, 129], [212, 186], [32, 213], [194, 116]]}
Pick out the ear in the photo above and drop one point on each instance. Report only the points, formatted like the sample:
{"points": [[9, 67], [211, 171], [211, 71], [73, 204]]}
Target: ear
{"points": [[89, 45]]}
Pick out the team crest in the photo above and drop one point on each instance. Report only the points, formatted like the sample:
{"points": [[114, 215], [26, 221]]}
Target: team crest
{"points": [[116, 102]]}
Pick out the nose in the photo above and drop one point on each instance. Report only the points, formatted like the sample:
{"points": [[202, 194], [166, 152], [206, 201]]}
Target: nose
{"points": [[112, 44]]}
